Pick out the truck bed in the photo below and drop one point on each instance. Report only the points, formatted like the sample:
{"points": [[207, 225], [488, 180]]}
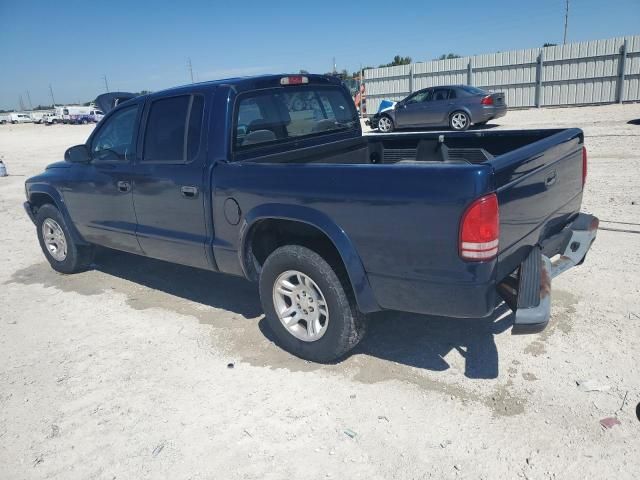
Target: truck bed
{"points": [[398, 200]]}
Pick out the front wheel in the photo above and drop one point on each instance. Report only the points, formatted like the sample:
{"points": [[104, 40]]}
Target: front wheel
{"points": [[459, 121], [385, 124], [62, 252], [311, 311]]}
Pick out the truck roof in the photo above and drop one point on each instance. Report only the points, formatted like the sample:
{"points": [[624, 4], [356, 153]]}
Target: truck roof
{"points": [[258, 81]]}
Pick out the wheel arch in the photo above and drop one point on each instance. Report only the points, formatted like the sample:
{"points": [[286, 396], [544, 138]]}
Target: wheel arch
{"points": [[308, 227], [40, 194]]}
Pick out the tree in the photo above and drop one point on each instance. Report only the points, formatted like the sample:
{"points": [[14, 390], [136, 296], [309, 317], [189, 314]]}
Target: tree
{"points": [[447, 56], [304, 72], [549, 44], [397, 60]]}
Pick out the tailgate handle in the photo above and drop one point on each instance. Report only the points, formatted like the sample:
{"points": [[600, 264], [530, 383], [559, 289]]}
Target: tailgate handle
{"points": [[551, 179]]}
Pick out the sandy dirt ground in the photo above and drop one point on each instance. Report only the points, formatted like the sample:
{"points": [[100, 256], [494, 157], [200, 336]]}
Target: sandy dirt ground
{"points": [[123, 372]]}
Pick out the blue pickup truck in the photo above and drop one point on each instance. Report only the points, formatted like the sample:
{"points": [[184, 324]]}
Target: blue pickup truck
{"points": [[271, 179]]}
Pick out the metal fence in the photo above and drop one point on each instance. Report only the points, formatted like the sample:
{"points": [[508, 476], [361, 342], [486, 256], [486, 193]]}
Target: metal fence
{"points": [[599, 71]]}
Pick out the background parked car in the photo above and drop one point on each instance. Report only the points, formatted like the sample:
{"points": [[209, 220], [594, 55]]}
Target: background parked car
{"points": [[39, 117], [20, 118], [52, 119], [455, 106], [4, 118]]}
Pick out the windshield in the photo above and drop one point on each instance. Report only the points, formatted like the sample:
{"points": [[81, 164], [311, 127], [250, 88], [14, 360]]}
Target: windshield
{"points": [[283, 114]]}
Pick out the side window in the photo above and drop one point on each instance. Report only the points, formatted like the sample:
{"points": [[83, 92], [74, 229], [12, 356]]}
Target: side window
{"points": [[174, 128], [420, 97], [115, 138], [452, 93], [440, 94]]}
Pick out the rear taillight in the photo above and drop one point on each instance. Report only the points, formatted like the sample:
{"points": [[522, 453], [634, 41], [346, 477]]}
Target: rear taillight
{"points": [[488, 100], [584, 166], [480, 229]]}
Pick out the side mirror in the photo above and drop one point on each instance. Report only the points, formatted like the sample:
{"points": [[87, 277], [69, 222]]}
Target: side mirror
{"points": [[77, 154]]}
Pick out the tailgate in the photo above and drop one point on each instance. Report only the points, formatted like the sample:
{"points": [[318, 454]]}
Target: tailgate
{"points": [[539, 188]]}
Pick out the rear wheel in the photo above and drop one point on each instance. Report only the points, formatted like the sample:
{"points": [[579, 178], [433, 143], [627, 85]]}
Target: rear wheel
{"points": [[311, 311], [459, 121], [62, 252], [385, 124]]}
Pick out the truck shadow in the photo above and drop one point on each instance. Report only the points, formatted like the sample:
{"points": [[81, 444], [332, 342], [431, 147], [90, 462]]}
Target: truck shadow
{"points": [[419, 341], [216, 290], [423, 341]]}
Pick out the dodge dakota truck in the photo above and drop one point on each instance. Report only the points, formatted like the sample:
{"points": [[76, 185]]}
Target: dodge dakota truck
{"points": [[270, 178]]}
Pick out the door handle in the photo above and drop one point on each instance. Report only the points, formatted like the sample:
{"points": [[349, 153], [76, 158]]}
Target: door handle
{"points": [[189, 192], [551, 179], [124, 186]]}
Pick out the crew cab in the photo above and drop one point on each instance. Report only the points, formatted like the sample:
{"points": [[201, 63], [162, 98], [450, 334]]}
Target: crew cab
{"points": [[271, 179]]}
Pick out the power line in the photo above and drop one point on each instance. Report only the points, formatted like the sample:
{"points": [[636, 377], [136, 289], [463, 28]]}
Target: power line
{"points": [[106, 84], [52, 98], [190, 67], [566, 22], [29, 99]]}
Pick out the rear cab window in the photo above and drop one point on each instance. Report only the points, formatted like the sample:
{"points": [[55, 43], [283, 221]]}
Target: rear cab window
{"points": [[286, 114]]}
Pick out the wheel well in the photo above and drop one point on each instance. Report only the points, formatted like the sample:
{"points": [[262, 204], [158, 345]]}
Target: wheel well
{"points": [[39, 199], [267, 235]]}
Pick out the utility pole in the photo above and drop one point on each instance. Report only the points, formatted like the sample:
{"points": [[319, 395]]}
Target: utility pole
{"points": [[29, 99], [190, 67], [106, 84], [334, 65], [52, 98], [21, 103], [566, 22]]}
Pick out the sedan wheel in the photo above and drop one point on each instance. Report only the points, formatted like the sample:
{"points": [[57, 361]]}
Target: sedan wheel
{"points": [[459, 121], [385, 124]]}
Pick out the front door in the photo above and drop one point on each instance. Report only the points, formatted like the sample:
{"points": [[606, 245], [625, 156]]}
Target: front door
{"points": [[99, 194], [411, 111], [169, 187]]}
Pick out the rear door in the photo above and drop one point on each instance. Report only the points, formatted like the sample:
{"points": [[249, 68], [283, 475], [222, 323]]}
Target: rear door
{"points": [[168, 192], [437, 112]]}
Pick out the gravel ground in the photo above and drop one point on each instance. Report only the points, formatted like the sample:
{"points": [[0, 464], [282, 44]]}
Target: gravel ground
{"points": [[124, 371]]}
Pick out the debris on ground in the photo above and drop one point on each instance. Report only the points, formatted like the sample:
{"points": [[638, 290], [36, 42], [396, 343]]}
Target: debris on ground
{"points": [[592, 386], [38, 460], [609, 422], [230, 365], [382, 417], [157, 450], [350, 433], [55, 431]]}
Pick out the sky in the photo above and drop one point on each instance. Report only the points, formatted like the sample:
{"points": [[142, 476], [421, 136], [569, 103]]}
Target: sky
{"points": [[72, 44]]}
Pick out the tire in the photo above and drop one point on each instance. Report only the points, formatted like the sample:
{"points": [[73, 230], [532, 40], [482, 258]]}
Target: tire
{"points": [[14, 122], [76, 258], [459, 121], [385, 124], [344, 326], [54, 121], [84, 122]]}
